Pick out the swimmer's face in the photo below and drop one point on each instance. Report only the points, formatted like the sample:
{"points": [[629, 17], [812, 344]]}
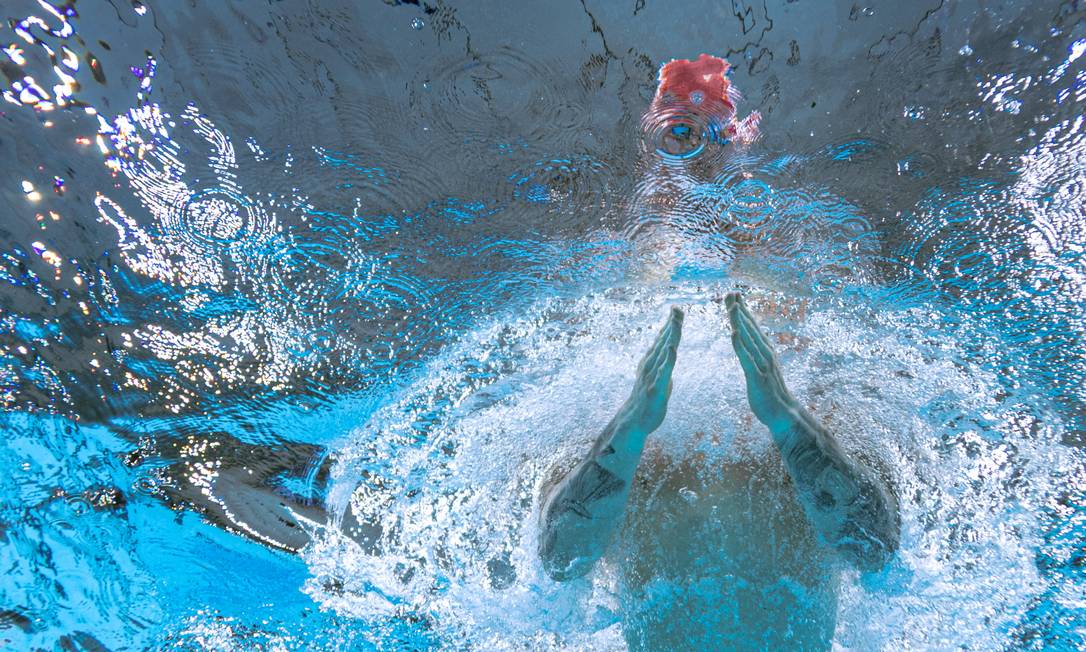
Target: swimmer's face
{"points": [[679, 137]]}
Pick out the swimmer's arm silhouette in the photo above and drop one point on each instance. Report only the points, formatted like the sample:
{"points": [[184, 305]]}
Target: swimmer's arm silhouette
{"points": [[582, 510], [850, 508]]}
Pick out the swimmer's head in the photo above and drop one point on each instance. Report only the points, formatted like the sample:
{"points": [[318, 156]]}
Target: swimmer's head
{"points": [[700, 85], [695, 101]]}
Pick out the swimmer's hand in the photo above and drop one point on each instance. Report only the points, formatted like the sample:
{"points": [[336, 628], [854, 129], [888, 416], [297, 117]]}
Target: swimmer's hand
{"points": [[769, 398], [849, 506], [644, 411], [582, 510]]}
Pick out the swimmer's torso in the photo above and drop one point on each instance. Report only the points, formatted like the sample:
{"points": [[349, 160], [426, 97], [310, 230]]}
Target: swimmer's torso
{"points": [[719, 556]]}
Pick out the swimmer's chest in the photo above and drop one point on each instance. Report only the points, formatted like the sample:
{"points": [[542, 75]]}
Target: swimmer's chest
{"points": [[723, 554], [740, 517]]}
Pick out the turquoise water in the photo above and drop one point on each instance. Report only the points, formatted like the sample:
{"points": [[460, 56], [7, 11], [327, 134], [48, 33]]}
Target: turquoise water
{"points": [[301, 304]]}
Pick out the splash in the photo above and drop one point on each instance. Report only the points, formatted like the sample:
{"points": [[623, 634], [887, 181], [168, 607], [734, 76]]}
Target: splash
{"points": [[448, 473]]}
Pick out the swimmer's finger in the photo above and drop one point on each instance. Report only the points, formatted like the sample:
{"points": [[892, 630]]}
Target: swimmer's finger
{"points": [[662, 382], [667, 339], [751, 351], [750, 332], [753, 336], [746, 331], [663, 372], [742, 339], [758, 333], [673, 331], [675, 322], [669, 362], [648, 362], [745, 360], [665, 360], [732, 303], [730, 300], [663, 341], [742, 347], [656, 352], [765, 357]]}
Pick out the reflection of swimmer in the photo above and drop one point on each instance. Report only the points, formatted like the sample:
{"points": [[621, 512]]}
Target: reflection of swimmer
{"points": [[780, 582]]}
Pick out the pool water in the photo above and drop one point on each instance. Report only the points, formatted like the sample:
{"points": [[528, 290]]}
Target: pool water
{"points": [[301, 303]]}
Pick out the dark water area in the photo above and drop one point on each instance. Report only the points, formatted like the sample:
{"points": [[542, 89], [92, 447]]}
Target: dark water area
{"points": [[257, 255]]}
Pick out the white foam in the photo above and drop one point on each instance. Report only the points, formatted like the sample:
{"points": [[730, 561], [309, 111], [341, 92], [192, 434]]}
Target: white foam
{"points": [[973, 468]]}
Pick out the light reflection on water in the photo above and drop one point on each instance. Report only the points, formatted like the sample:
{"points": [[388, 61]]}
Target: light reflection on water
{"points": [[286, 259]]}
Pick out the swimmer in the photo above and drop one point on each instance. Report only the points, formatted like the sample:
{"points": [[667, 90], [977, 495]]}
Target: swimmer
{"points": [[745, 555], [779, 554]]}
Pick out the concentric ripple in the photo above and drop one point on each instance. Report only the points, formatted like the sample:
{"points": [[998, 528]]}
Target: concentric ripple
{"points": [[677, 134], [502, 91], [217, 218], [570, 185], [308, 275]]}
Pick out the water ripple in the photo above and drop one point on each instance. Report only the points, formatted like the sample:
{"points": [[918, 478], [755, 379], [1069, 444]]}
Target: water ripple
{"points": [[494, 94]]}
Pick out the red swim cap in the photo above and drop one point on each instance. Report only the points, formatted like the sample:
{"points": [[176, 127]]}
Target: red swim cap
{"points": [[696, 86], [694, 101]]}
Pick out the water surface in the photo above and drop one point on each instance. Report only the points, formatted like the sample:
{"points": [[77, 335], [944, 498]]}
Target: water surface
{"points": [[386, 263]]}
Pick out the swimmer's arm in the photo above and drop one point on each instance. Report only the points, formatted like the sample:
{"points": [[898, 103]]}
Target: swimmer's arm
{"points": [[583, 509], [849, 506]]}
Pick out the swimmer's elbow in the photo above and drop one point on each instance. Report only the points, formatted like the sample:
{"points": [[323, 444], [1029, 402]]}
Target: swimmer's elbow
{"points": [[868, 557], [871, 546], [560, 562], [566, 570]]}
